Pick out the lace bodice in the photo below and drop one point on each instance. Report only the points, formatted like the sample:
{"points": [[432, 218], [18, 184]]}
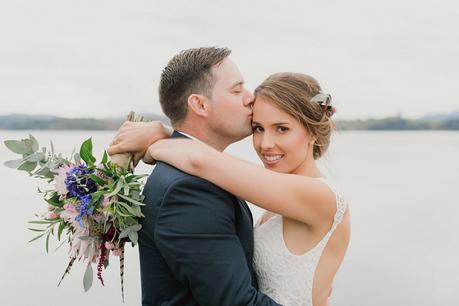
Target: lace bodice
{"points": [[285, 277]]}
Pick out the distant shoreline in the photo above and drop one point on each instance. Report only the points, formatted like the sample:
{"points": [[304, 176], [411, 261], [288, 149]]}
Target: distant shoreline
{"points": [[31, 122]]}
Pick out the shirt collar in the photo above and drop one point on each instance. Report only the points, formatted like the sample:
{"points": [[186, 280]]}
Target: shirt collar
{"points": [[189, 136]]}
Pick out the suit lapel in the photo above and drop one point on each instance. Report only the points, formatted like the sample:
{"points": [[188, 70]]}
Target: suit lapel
{"points": [[245, 209]]}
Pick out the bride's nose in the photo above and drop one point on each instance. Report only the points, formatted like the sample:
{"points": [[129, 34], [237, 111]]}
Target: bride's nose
{"points": [[267, 142]]}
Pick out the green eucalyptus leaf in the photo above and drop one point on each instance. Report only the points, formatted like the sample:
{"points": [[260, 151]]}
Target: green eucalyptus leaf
{"points": [[36, 229], [35, 157], [124, 233], [43, 171], [27, 166], [13, 163], [77, 158], [131, 200], [41, 222], [136, 227], [59, 230], [128, 208], [17, 146], [133, 236], [47, 242], [88, 277], [118, 187], [39, 236], [35, 145]]}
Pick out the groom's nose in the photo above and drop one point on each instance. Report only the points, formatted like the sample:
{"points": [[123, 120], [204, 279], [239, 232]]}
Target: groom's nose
{"points": [[248, 98]]}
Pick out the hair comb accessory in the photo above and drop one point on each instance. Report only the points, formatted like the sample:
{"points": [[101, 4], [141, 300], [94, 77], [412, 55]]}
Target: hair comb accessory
{"points": [[324, 101]]}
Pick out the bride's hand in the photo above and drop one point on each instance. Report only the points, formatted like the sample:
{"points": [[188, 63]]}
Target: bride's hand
{"points": [[136, 137]]}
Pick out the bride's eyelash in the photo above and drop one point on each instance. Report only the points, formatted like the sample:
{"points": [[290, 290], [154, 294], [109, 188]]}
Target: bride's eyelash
{"points": [[257, 128], [283, 129]]}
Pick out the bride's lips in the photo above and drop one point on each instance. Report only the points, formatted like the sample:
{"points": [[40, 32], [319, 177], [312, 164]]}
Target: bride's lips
{"points": [[271, 159]]}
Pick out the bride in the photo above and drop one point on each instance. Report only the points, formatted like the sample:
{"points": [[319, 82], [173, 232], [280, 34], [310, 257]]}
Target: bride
{"points": [[301, 239]]}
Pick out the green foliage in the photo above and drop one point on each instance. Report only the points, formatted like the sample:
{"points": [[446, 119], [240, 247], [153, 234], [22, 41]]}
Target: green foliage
{"points": [[86, 152]]}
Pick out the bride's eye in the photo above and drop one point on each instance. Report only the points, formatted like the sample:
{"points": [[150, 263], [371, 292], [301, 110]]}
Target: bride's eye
{"points": [[282, 129], [257, 129]]}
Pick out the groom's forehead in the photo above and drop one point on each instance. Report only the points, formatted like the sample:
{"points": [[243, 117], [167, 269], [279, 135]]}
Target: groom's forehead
{"points": [[227, 67]]}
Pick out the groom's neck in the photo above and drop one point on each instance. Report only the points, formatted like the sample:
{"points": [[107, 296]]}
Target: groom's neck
{"points": [[205, 135]]}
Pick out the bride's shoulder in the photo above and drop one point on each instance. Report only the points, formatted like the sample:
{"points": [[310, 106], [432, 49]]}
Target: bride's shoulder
{"points": [[340, 199]]}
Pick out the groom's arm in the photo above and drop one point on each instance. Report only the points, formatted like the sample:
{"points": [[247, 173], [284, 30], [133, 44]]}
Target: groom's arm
{"points": [[195, 232]]}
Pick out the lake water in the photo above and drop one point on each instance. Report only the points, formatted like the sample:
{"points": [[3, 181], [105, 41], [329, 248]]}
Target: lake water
{"points": [[401, 187]]}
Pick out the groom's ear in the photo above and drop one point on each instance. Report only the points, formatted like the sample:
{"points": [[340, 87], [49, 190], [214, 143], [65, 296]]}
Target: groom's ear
{"points": [[198, 104]]}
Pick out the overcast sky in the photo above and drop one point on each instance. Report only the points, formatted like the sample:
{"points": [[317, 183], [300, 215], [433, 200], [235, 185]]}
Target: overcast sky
{"points": [[103, 58]]}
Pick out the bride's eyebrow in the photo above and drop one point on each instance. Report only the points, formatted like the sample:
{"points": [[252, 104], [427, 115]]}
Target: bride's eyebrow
{"points": [[274, 124]]}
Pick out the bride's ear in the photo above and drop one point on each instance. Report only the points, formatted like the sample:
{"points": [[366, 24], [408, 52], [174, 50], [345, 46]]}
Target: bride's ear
{"points": [[198, 104]]}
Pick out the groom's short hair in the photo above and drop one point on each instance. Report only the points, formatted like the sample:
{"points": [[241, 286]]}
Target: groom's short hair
{"points": [[189, 72]]}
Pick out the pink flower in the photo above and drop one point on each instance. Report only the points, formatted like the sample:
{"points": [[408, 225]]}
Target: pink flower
{"points": [[59, 179], [109, 245], [106, 201], [70, 208], [117, 252], [52, 215]]}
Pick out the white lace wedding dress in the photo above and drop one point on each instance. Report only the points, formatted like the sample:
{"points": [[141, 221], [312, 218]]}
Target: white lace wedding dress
{"points": [[283, 276]]}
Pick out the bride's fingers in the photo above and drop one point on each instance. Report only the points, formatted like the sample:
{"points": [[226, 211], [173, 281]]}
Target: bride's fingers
{"points": [[115, 149], [148, 159], [138, 157]]}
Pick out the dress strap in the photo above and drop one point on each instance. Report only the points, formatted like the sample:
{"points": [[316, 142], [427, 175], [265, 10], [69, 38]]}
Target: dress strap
{"points": [[341, 204]]}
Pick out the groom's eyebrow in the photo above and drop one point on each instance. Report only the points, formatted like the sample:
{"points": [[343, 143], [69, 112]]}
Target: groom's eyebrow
{"points": [[240, 83]]}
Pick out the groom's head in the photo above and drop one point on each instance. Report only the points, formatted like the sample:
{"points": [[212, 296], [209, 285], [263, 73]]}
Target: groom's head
{"points": [[203, 89]]}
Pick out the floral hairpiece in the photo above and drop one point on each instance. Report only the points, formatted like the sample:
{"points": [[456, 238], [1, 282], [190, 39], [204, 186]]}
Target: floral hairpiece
{"points": [[324, 101]]}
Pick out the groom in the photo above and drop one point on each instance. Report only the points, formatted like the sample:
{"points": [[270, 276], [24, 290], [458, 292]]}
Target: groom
{"points": [[196, 242]]}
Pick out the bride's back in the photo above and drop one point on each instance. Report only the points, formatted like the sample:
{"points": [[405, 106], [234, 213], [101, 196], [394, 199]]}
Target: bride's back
{"points": [[330, 262]]}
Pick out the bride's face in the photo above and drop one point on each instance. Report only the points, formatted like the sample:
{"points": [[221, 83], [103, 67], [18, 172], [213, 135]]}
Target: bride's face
{"points": [[281, 142]]}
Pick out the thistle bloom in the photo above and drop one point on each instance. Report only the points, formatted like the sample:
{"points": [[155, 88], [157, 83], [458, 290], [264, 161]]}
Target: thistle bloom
{"points": [[77, 183]]}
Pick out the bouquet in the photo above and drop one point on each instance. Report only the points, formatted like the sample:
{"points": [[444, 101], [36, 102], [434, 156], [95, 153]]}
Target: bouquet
{"points": [[95, 208]]}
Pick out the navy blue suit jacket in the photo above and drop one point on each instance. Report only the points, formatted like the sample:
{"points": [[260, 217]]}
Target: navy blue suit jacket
{"points": [[196, 243]]}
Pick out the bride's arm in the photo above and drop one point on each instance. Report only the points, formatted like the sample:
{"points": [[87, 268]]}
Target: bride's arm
{"points": [[136, 137], [298, 197]]}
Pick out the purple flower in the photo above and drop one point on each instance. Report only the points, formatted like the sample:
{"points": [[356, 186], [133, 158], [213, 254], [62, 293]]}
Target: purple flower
{"points": [[77, 182], [84, 209]]}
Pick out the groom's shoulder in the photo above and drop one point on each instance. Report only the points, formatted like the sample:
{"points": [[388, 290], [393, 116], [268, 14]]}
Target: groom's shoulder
{"points": [[166, 176]]}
